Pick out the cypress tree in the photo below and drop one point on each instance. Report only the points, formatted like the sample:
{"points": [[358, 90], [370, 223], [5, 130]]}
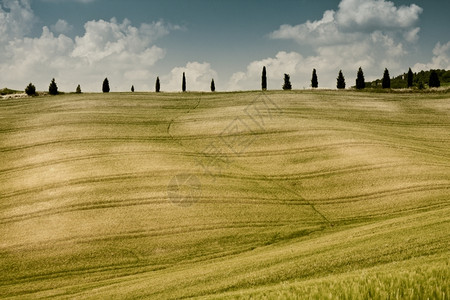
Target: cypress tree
{"points": [[386, 83], [340, 81], [434, 79], [314, 82], [183, 84], [53, 88], [105, 87], [132, 88], [287, 82], [410, 78], [157, 86], [78, 90], [213, 86], [264, 79], [360, 84]]}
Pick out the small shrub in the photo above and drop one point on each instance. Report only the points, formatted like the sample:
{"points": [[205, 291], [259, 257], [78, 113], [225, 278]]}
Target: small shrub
{"points": [[30, 90]]}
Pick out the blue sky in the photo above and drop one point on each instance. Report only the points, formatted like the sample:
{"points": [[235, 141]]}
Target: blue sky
{"points": [[132, 42]]}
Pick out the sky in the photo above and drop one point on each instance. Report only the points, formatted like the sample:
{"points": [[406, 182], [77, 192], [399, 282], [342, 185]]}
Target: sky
{"points": [[132, 42]]}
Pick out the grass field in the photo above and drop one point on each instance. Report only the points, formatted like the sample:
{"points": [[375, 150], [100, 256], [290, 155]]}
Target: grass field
{"points": [[296, 195]]}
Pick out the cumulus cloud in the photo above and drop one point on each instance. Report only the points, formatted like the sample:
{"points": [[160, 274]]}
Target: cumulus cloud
{"points": [[351, 21], [104, 39], [198, 77], [16, 19], [118, 50], [367, 33], [61, 26], [440, 59], [364, 15]]}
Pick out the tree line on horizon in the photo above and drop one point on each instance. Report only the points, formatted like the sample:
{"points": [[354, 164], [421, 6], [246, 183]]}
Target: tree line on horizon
{"points": [[433, 80], [410, 79]]}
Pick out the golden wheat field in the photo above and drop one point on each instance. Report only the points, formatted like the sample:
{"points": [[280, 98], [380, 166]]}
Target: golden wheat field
{"points": [[292, 195]]}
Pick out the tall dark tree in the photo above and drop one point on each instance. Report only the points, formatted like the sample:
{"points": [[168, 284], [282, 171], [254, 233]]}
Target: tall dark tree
{"points": [[183, 84], [386, 83], [287, 82], [213, 86], [410, 78], [314, 82], [157, 85], [105, 87], [78, 90], [340, 81], [132, 88], [264, 79], [53, 88], [360, 83], [30, 90], [434, 79]]}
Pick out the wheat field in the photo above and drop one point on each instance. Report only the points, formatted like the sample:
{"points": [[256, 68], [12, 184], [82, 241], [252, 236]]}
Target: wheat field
{"points": [[296, 195]]}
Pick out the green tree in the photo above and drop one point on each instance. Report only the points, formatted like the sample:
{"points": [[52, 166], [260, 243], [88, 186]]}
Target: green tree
{"points": [[410, 78], [287, 82], [386, 83], [183, 84], [213, 86], [340, 81], [360, 83], [78, 90], [30, 90], [105, 87], [314, 82], [264, 79], [157, 85], [53, 88], [132, 88], [434, 79]]}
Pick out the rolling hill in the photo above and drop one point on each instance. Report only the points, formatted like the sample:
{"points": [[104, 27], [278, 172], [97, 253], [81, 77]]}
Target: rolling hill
{"points": [[299, 194]]}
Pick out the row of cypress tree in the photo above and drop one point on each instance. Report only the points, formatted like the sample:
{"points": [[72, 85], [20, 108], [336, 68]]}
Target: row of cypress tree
{"points": [[340, 84], [106, 89], [360, 81]]}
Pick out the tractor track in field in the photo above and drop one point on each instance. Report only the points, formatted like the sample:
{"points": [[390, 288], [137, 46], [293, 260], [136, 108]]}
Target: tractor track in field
{"points": [[246, 170]]}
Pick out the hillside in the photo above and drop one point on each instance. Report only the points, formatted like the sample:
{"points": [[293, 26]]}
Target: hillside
{"points": [[225, 195]]}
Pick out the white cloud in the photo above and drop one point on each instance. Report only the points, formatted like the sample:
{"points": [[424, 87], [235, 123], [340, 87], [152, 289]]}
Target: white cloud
{"points": [[440, 59], [16, 19], [412, 36], [370, 15], [61, 26], [123, 53], [198, 78], [104, 39], [352, 21]]}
